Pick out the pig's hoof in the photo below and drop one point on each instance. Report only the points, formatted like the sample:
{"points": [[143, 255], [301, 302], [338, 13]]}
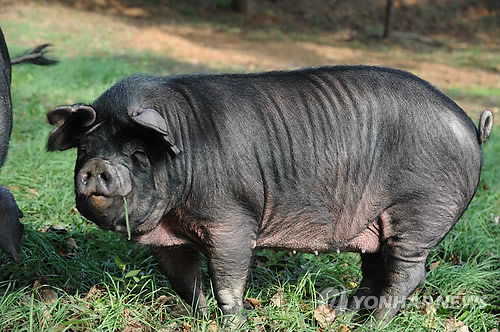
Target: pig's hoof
{"points": [[236, 321]]}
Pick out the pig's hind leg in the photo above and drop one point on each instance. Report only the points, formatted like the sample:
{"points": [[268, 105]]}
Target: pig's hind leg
{"points": [[373, 270], [389, 277], [413, 229], [182, 267], [403, 271]]}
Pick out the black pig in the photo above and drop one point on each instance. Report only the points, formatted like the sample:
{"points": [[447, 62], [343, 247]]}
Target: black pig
{"points": [[347, 158], [11, 229]]}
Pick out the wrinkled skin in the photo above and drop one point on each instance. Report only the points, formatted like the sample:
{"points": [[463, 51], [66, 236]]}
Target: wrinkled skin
{"points": [[364, 159], [11, 229]]}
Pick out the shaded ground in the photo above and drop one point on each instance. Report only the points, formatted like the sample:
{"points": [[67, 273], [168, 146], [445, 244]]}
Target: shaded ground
{"points": [[220, 40]]}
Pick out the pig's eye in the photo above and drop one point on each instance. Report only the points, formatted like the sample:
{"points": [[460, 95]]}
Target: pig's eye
{"points": [[141, 157], [82, 151]]}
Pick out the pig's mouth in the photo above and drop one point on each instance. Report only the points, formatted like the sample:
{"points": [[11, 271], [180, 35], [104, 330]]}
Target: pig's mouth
{"points": [[98, 209], [105, 211], [109, 213], [100, 202]]}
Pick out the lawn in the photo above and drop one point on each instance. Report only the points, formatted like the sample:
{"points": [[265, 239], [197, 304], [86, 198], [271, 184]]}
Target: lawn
{"points": [[76, 277]]}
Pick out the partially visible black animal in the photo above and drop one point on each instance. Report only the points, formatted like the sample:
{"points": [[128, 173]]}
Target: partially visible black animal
{"points": [[11, 230], [347, 158]]}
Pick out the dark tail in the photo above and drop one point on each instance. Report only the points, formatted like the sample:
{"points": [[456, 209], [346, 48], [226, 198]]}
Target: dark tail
{"points": [[485, 124], [35, 56]]}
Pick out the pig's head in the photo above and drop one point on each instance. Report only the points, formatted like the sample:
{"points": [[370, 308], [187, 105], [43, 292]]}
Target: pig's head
{"points": [[11, 229], [124, 151]]}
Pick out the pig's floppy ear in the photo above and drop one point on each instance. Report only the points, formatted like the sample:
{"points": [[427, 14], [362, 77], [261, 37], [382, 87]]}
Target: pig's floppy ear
{"points": [[151, 119], [69, 121]]}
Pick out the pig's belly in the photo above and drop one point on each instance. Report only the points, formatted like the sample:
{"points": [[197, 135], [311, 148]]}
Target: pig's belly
{"points": [[315, 236]]}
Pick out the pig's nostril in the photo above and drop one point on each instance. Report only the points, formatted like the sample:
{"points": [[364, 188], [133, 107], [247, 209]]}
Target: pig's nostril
{"points": [[104, 176], [84, 178]]}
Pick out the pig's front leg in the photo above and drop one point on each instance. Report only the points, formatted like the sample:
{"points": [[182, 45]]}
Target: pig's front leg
{"points": [[229, 258], [11, 230], [182, 267]]}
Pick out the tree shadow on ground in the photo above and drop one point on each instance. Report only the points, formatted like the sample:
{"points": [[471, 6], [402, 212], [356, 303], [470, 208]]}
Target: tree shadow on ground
{"points": [[262, 42], [461, 20]]}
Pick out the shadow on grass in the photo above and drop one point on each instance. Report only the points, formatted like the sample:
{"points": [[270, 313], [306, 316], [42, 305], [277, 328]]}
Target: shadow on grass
{"points": [[302, 20], [73, 261]]}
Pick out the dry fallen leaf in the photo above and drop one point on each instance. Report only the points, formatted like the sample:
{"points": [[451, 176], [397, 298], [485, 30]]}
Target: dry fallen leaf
{"points": [[435, 264], [261, 323], [134, 328], [178, 310], [455, 260], [430, 309], [186, 327], [64, 252], [430, 322], [254, 302], [212, 326], [54, 228], [93, 294], [46, 317], [278, 299], [455, 325], [162, 299], [44, 293], [352, 285], [71, 243], [126, 313], [324, 315], [343, 328], [165, 300], [33, 191], [58, 228], [14, 188], [170, 327]]}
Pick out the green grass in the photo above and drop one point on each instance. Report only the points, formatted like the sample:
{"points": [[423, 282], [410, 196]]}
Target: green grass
{"points": [[474, 92], [476, 57], [99, 281]]}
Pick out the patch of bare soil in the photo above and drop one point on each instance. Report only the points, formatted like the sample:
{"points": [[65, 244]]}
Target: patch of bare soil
{"points": [[204, 44]]}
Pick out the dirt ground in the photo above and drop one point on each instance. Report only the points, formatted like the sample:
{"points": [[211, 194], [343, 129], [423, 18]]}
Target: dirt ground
{"points": [[245, 46]]}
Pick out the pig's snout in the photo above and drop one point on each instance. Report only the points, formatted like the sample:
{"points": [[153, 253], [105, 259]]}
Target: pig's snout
{"points": [[100, 178], [96, 178]]}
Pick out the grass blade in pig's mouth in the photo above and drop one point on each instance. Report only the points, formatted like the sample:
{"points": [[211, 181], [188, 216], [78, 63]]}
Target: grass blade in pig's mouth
{"points": [[126, 217]]}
